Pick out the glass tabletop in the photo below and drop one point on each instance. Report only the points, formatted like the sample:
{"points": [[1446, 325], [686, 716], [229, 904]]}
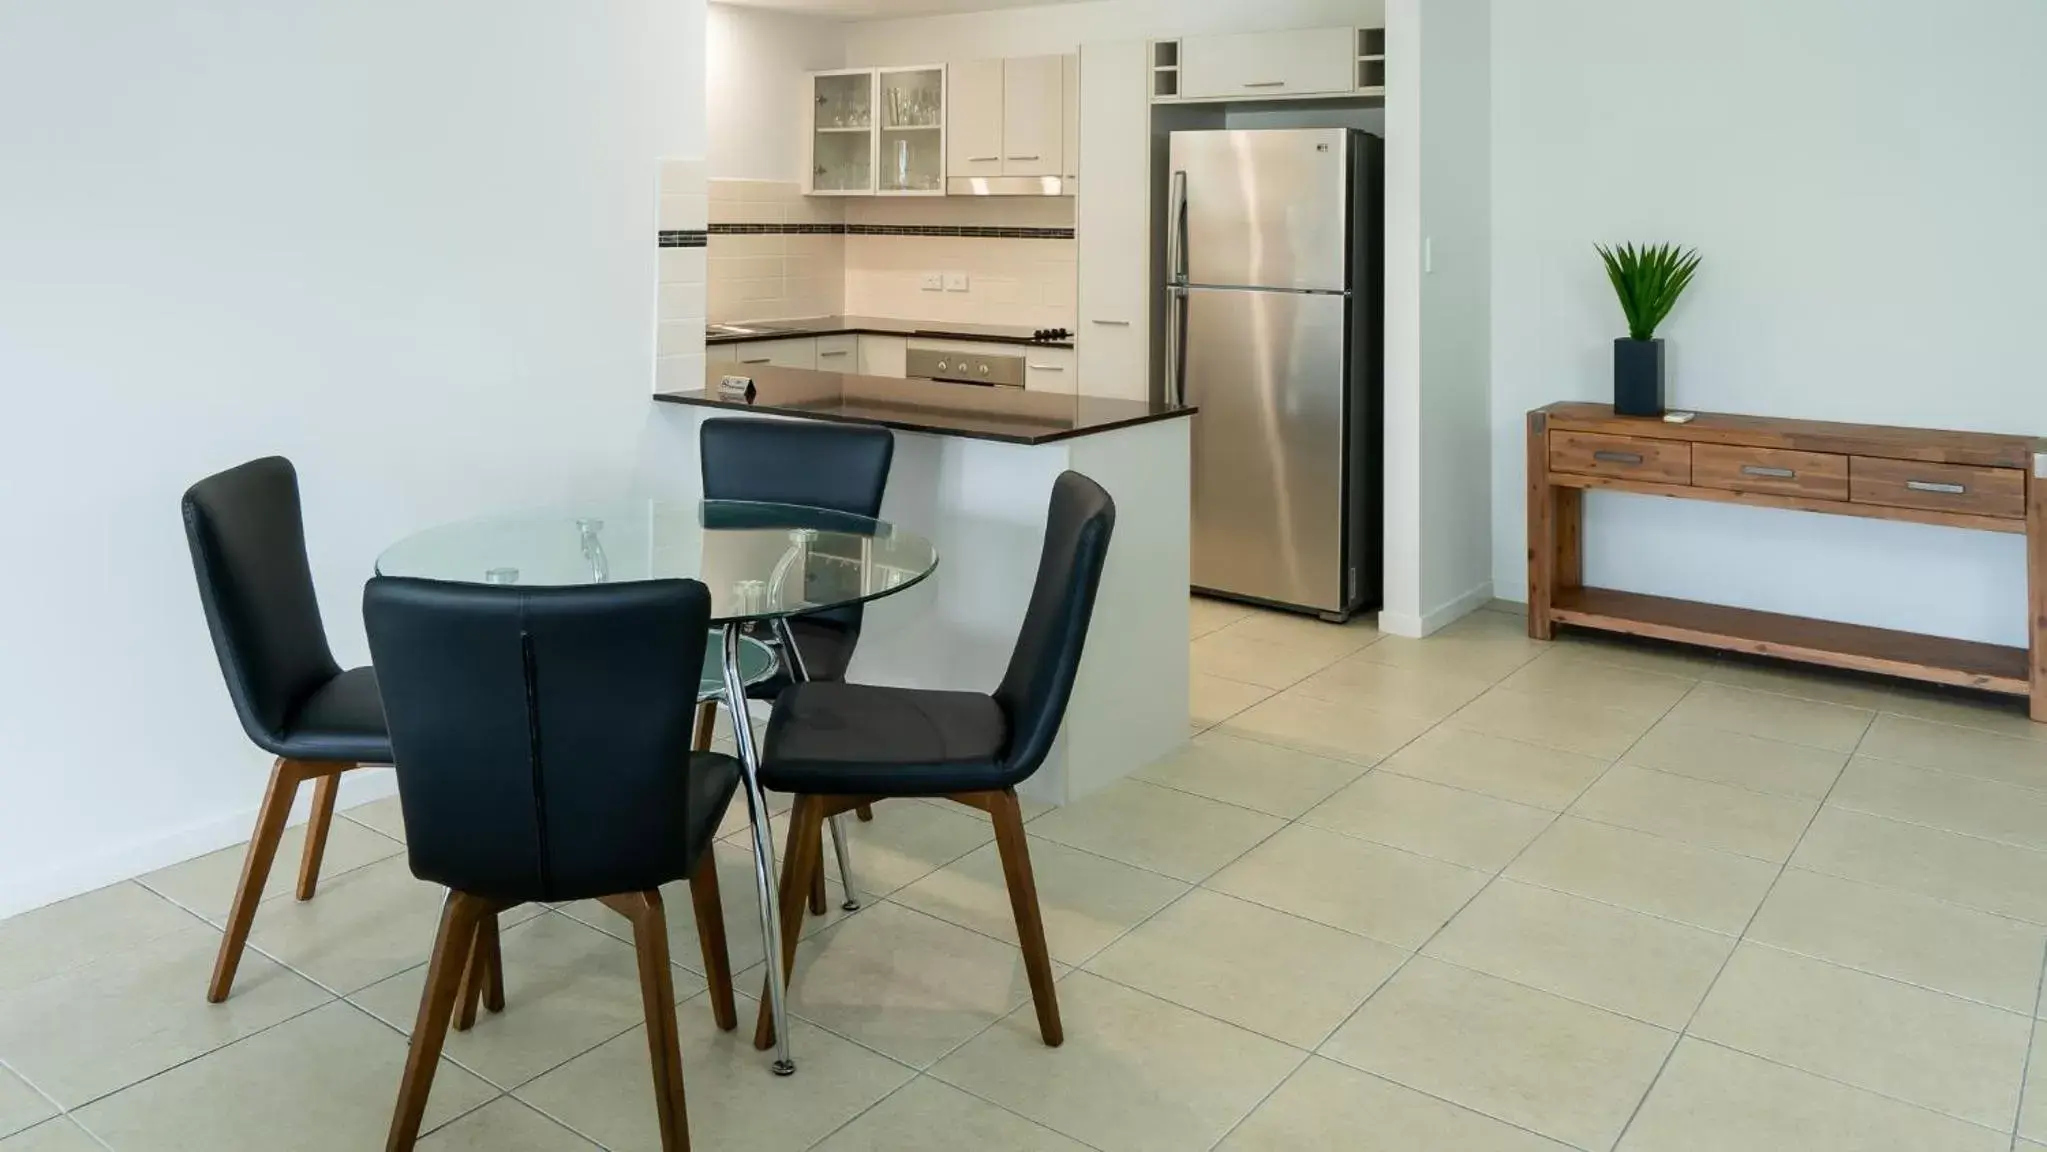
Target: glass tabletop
{"points": [[756, 663], [760, 561]]}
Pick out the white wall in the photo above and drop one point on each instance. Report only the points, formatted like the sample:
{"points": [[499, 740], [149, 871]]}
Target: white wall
{"points": [[1865, 179], [756, 91], [406, 242]]}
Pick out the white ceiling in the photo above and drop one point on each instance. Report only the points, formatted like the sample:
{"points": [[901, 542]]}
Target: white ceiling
{"points": [[886, 9]]}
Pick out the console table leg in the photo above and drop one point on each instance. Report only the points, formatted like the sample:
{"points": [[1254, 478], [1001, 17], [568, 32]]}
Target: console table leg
{"points": [[1542, 530], [2036, 584]]}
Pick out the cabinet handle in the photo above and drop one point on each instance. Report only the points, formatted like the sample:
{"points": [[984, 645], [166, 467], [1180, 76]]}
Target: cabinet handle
{"points": [[839, 352], [1932, 486], [762, 360], [1023, 157], [1618, 457], [1112, 323], [982, 159], [1266, 84], [1045, 367], [1771, 473]]}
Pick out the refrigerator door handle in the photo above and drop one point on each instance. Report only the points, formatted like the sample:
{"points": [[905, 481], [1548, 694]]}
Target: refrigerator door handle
{"points": [[1176, 291], [1176, 230]]}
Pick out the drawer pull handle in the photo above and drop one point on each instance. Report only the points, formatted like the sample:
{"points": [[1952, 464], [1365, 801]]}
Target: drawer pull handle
{"points": [[834, 352], [1618, 457], [1023, 157], [1931, 486], [1770, 473], [1265, 84], [1046, 367], [762, 360]]}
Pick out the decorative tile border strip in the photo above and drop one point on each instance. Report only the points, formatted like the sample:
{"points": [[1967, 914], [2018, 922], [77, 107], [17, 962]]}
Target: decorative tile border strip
{"points": [[778, 229], [689, 239], [955, 230]]}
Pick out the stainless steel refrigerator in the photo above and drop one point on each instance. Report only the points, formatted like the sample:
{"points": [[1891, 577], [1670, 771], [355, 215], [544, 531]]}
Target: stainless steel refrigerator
{"points": [[1273, 329]]}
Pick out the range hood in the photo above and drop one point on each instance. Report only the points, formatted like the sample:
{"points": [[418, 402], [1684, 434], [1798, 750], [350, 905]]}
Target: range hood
{"points": [[1011, 186]]}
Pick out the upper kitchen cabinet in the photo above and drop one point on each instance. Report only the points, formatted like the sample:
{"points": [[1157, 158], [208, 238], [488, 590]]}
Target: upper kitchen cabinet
{"points": [[974, 90], [1070, 75], [1303, 62], [1033, 116], [878, 131], [1009, 125]]}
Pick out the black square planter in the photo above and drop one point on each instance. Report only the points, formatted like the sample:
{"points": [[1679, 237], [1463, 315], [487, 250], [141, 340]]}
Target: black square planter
{"points": [[1637, 377]]}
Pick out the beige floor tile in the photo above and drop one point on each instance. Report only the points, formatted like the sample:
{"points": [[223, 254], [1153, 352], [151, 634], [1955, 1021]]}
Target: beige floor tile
{"points": [[1385, 893], [1447, 823], [1136, 1074], [1835, 727], [1805, 681], [207, 885], [1653, 970], [1327, 1105], [1668, 878], [1697, 812], [383, 817], [1347, 732], [21, 1106], [735, 1103], [365, 926], [1251, 774], [1305, 633], [1963, 751], [1158, 829], [1205, 615], [2033, 1107], [927, 1115], [1586, 727], [1567, 672], [907, 985], [1904, 936], [59, 1135], [132, 1014], [1751, 762], [1566, 1070], [1924, 1047], [505, 1125], [568, 988], [905, 842], [1711, 1099], [1212, 699], [1249, 661], [1678, 660], [1487, 656], [70, 933], [1965, 804], [1508, 769], [1387, 688], [1278, 975], [328, 1079], [1980, 874], [1086, 900], [2004, 715]]}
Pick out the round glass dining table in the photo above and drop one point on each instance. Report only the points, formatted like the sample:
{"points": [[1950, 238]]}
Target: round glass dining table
{"points": [[763, 564]]}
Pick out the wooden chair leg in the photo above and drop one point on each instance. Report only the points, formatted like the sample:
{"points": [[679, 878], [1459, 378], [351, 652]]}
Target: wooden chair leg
{"points": [[285, 777], [460, 915], [1023, 902], [804, 855], [707, 725], [483, 977], [710, 912], [866, 813], [325, 790], [657, 994], [818, 904]]}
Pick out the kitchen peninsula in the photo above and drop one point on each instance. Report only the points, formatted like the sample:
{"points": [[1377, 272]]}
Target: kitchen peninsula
{"points": [[973, 471]]}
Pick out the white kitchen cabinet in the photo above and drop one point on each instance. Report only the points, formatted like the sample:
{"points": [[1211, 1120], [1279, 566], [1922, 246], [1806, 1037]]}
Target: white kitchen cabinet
{"points": [[839, 352], [790, 352], [1050, 369], [877, 131], [1268, 65], [1113, 221], [1033, 115], [974, 109], [841, 136], [882, 355], [1069, 69], [721, 353]]}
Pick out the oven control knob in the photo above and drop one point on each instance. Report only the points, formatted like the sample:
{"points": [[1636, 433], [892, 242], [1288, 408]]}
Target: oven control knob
{"points": [[984, 369], [942, 365]]}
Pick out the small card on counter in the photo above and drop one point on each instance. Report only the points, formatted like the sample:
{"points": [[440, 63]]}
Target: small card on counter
{"points": [[736, 386]]}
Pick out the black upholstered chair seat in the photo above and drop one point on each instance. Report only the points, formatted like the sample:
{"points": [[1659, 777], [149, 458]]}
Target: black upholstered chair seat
{"points": [[841, 739], [827, 648], [713, 778], [342, 720]]}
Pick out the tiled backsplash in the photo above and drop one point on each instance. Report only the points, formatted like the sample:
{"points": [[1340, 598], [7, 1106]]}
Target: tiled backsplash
{"points": [[679, 347], [771, 274]]}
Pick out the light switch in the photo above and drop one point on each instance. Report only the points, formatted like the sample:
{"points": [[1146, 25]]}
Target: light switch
{"points": [[934, 281], [955, 281]]}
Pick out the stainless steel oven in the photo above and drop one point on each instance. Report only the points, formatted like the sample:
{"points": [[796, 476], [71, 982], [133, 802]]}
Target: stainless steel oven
{"points": [[956, 367]]}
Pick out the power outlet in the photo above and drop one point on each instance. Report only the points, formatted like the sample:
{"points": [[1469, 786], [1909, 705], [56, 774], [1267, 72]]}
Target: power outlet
{"points": [[934, 281], [955, 281]]}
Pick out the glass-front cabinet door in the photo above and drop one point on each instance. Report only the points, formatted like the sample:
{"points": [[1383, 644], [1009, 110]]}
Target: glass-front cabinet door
{"points": [[842, 129], [912, 144]]}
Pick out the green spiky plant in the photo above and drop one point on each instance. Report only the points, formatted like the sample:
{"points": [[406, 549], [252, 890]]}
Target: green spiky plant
{"points": [[1648, 281]]}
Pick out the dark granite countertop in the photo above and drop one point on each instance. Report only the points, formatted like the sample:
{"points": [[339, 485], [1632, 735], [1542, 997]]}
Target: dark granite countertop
{"points": [[1009, 415], [882, 326]]}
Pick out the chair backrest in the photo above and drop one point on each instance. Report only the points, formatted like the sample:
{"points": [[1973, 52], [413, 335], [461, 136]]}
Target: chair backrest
{"points": [[843, 467], [248, 541], [542, 735], [1039, 682]]}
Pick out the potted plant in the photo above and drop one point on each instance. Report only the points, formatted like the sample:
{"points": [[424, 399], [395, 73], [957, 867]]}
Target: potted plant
{"points": [[1648, 281]]}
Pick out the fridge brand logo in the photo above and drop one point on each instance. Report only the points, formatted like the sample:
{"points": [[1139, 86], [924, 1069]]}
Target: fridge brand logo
{"points": [[1321, 147]]}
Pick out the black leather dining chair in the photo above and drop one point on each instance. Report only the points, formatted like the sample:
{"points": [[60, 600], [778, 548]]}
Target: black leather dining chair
{"points": [[835, 745], [248, 541], [842, 467], [543, 754]]}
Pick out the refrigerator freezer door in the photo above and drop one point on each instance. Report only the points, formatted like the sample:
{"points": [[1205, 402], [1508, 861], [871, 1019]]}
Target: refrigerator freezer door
{"points": [[1266, 208], [1267, 370]]}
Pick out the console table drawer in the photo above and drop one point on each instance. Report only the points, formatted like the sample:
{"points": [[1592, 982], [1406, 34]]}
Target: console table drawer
{"points": [[1636, 458], [1939, 487], [1780, 471]]}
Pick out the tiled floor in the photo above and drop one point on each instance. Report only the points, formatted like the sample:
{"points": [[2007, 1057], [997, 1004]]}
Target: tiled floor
{"points": [[1471, 892]]}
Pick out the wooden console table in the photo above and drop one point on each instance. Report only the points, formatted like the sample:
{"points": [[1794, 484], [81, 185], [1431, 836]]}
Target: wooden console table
{"points": [[1957, 479]]}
